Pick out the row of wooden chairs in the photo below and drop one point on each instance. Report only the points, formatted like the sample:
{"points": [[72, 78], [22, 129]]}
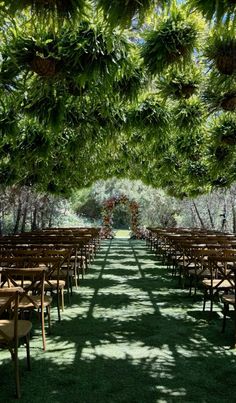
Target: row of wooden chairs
{"points": [[13, 330], [33, 268], [201, 259]]}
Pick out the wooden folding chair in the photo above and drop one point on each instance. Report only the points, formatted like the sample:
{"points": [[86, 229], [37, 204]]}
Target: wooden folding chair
{"points": [[230, 300], [221, 278], [11, 330], [32, 281], [53, 265]]}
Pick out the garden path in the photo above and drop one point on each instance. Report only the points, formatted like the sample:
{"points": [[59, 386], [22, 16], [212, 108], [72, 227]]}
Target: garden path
{"points": [[129, 336]]}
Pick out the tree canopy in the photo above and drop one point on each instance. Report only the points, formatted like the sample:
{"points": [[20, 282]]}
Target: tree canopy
{"points": [[137, 89]]}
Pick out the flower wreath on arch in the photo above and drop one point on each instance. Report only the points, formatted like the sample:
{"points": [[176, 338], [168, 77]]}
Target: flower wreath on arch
{"points": [[107, 213]]}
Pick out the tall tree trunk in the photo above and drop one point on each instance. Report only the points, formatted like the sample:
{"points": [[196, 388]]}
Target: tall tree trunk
{"points": [[234, 218], [193, 217], [198, 215], [233, 208], [1, 219], [223, 215], [211, 218], [18, 217], [43, 219], [51, 216], [34, 219], [25, 213]]}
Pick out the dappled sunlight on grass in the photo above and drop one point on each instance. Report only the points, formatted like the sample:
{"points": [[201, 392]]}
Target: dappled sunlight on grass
{"points": [[122, 233], [121, 272], [130, 335]]}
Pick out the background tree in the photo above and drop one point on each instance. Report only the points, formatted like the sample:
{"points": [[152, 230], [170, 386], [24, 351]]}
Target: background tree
{"points": [[88, 94]]}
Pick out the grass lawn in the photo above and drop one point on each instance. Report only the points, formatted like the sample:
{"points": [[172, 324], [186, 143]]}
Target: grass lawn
{"points": [[130, 335], [122, 233]]}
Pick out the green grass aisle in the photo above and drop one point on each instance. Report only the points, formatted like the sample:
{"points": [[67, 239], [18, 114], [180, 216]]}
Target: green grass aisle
{"points": [[131, 336]]}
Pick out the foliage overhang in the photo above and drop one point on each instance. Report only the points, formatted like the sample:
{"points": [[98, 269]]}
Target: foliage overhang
{"points": [[144, 89]]}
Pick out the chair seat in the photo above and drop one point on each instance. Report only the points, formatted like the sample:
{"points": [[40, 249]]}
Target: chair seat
{"points": [[186, 264], [3, 300], [229, 299], [200, 272], [25, 303], [218, 284], [65, 272], [52, 284], [7, 326], [24, 283]]}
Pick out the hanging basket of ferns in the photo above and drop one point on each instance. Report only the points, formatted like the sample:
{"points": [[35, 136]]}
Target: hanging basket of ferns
{"points": [[180, 83], [44, 67], [228, 103], [221, 51], [222, 153], [189, 114], [187, 90], [172, 43], [92, 53], [217, 98], [75, 89], [130, 85], [189, 144], [45, 102], [49, 10], [220, 182], [36, 53], [229, 139], [121, 12], [224, 132], [219, 9], [226, 62], [149, 115]]}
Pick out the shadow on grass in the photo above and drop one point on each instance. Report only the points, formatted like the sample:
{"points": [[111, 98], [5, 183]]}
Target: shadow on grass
{"points": [[117, 257], [178, 364], [121, 272], [143, 346], [99, 379], [115, 301], [98, 283], [150, 284]]}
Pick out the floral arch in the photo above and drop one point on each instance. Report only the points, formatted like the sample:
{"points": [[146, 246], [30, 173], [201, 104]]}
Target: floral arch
{"points": [[107, 213]]}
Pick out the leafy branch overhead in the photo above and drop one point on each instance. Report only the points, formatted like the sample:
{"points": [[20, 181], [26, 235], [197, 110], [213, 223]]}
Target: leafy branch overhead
{"points": [[180, 84], [172, 43], [48, 11], [136, 88]]}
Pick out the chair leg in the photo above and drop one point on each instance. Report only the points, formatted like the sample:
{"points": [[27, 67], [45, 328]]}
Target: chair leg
{"points": [[225, 311], [76, 278], [71, 286], [43, 328], [62, 300], [68, 286], [195, 285], [190, 284], [58, 306], [48, 309], [234, 326], [82, 268], [16, 368], [27, 340], [211, 297], [204, 300]]}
